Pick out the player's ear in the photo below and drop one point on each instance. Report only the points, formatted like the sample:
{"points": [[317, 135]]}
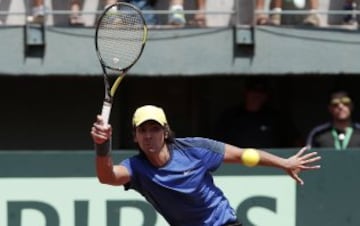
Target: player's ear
{"points": [[134, 136], [166, 132]]}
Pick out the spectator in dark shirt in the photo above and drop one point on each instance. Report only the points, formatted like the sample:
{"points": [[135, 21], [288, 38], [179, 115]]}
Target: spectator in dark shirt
{"points": [[340, 132], [255, 124]]}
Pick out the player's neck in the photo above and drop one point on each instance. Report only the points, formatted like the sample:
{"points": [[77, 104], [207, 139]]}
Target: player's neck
{"points": [[160, 158]]}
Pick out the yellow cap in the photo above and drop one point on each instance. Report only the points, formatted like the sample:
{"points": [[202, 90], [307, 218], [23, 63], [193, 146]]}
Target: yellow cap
{"points": [[149, 112]]}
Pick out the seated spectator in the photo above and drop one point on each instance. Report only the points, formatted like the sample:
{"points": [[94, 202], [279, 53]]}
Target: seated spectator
{"points": [[340, 132], [313, 18], [350, 18], [272, 19], [255, 123], [75, 18], [177, 16], [38, 13], [150, 18], [275, 18]]}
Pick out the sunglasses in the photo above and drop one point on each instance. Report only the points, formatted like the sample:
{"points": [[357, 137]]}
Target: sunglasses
{"points": [[342, 100]]}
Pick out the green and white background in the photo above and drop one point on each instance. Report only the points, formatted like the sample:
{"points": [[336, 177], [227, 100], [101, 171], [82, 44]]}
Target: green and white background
{"points": [[60, 189], [58, 186]]}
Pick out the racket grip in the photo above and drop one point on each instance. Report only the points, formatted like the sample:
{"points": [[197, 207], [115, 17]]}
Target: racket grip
{"points": [[105, 112]]}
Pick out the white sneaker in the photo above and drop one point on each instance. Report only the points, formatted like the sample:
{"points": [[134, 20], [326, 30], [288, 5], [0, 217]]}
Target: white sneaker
{"points": [[312, 20], [176, 15]]}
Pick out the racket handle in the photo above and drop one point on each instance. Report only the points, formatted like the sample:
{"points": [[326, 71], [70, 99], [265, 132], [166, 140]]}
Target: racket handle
{"points": [[105, 112]]}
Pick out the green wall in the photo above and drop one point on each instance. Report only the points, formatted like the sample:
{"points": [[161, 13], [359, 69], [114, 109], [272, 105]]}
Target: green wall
{"points": [[61, 186]]}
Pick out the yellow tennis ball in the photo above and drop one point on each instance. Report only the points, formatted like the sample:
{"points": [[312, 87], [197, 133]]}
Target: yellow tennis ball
{"points": [[250, 157]]}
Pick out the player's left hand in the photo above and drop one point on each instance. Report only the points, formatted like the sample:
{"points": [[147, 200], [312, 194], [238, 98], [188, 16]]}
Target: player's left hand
{"points": [[300, 161]]}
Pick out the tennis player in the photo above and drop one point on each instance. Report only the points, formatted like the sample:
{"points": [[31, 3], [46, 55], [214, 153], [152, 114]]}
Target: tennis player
{"points": [[175, 174]]}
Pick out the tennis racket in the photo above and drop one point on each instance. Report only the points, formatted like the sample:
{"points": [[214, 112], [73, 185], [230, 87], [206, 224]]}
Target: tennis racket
{"points": [[120, 38]]}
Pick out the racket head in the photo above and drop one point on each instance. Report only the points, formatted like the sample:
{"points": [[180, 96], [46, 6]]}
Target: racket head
{"points": [[120, 36]]}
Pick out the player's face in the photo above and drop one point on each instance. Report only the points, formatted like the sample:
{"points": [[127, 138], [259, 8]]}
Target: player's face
{"points": [[150, 136], [340, 108]]}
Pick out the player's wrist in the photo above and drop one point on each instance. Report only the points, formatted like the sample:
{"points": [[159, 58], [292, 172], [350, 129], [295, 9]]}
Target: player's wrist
{"points": [[103, 149]]}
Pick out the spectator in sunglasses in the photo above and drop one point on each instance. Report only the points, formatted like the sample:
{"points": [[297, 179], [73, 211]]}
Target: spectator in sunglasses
{"points": [[340, 132]]}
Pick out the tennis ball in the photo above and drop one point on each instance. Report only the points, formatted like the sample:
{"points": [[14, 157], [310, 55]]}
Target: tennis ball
{"points": [[250, 157]]}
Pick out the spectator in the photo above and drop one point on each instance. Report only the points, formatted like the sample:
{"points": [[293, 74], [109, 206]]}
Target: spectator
{"points": [[177, 16], [150, 18], [38, 11], [275, 18], [175, 175], [351, 18], [254, 123], [340, 132], [75, 18], [313, 18]]}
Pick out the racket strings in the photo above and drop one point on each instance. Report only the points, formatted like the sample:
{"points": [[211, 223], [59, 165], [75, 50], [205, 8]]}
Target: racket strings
{"points": [[121, 37]]}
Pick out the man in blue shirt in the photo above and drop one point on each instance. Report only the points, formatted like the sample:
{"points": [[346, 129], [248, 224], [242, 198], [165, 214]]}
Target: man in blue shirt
{"points": [[178, 170]]}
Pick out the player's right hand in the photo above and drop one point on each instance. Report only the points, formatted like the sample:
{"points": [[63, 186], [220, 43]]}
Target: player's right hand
{"points": [[100, 132]]}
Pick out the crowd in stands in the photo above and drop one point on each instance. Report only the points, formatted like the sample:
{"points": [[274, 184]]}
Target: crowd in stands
{"points": [[254, 123], [313, 7], [176, 17], [269, 12], [75, 18], [276, 6]]}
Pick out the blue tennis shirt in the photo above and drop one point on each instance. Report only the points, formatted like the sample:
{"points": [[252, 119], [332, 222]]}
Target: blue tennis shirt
{"points": [[183, 191]]}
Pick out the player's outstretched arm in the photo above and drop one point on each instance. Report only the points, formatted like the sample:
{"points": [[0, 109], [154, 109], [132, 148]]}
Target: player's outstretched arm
{"points": [[107, 173], [293, 165]]}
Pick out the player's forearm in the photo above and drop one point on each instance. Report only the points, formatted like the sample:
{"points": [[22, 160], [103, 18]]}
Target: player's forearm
{"points": [[104, 164], [104, 169], [268, 159]]}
